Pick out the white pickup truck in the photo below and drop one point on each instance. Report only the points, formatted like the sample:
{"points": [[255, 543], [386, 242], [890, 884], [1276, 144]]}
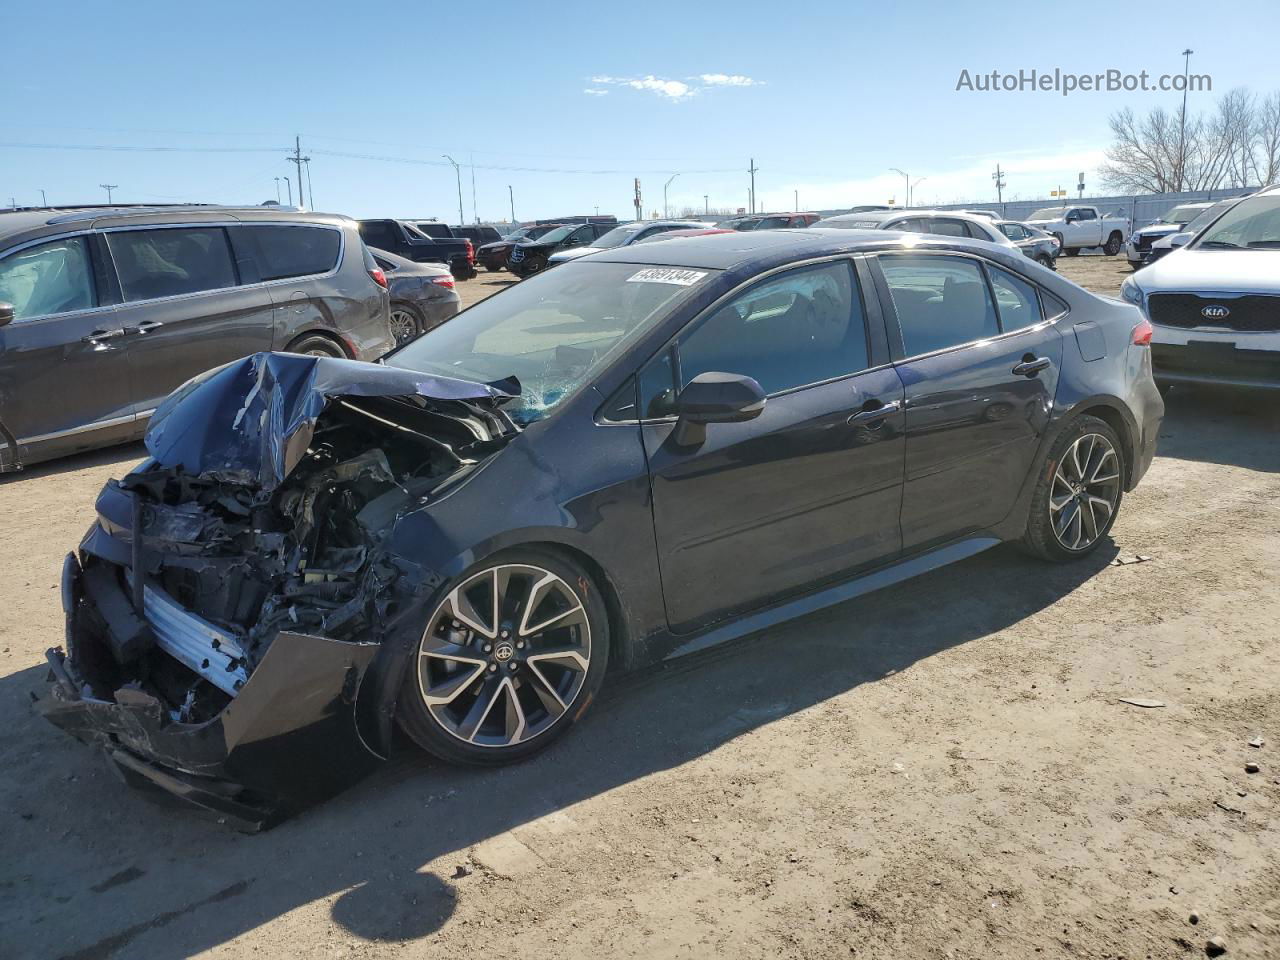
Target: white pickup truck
{"points": [[1080, 227]]}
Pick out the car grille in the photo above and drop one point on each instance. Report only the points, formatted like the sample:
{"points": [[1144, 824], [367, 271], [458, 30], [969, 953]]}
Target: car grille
{"points": [[517, 255], [1144, 242], [1249, 314]]}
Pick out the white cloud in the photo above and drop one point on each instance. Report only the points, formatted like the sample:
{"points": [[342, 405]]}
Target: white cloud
{"points": [[672, 89], [596, 92], [727, 80]]}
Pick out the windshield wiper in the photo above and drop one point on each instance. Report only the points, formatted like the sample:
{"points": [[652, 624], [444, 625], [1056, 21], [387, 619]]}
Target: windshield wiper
{"points": [[1220, 245], [1264, 244]]}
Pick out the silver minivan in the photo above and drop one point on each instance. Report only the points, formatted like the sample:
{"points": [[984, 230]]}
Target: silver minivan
{"points": [[105, 311]]}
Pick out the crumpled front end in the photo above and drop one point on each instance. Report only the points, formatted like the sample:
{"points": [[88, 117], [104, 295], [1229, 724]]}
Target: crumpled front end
{"points": [[227, 611]]}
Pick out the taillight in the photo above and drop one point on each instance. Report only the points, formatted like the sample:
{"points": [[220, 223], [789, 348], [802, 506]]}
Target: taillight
{"points": [[1142, 333], [443, 282], [378, 277]]}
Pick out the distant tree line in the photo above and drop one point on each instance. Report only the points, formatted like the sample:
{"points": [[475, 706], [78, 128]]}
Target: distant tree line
{"points": [[1237, 144]]}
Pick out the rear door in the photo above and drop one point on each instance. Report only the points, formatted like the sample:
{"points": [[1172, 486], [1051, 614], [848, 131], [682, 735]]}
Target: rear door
{"points": [[807, 491], [980, 366], [64, 370], [184, 307], [292, 261]]}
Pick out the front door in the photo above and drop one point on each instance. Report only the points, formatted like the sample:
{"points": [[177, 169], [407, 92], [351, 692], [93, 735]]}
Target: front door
{"points": [[980, 367], [804, 493], [184, 307], [64, 370]]}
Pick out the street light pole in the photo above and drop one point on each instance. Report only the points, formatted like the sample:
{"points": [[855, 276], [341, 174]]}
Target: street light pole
{"points": [[512, 197], [666, 211], [43, 201], [108, 187], [907, 195], [753, 170], [289, 187], [1182, 132], [277, 180], [311, 197], [706, 204], [457, 170]]}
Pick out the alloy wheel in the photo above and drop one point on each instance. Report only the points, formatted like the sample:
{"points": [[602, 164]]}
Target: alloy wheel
{"points": [[404, 325], [1085, 491], [504, 655]]}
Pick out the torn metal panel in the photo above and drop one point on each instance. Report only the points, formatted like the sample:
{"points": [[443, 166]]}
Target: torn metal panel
{"points": [[253, 420]]}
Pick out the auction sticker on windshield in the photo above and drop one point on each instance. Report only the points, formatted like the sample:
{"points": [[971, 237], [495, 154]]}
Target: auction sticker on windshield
{"points": [[680, 278]]}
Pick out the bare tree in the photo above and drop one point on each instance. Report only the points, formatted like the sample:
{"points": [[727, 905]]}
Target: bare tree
{"points": [[1237, 145]]}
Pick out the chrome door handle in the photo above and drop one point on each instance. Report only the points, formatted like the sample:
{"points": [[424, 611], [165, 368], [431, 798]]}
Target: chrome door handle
{"points": [[1029, 368], [876, 413], [146, 326], [99, 335]]}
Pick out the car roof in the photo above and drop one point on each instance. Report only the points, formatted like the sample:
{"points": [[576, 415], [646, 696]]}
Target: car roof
{"points": [[54, 220], [880, 216], [765, 248]]}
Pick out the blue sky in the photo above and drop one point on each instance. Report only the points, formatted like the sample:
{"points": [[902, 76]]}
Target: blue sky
{"points": [[566, 102]]}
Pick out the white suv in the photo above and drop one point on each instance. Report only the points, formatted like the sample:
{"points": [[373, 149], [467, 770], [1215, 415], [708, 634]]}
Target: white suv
{"points": [[1214, 305]]}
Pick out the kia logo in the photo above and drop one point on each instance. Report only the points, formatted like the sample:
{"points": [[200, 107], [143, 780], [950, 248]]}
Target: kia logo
{"points": [[1215, 312]]}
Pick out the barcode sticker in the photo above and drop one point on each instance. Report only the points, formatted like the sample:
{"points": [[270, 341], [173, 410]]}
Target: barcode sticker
{"points": [[675, 276]]}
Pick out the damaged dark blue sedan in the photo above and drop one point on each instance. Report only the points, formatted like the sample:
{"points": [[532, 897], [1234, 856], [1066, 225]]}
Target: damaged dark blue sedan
{"points": [[638, 454]]}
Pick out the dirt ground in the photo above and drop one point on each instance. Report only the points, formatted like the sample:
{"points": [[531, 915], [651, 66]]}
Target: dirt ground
{"points": [[942, 769]]}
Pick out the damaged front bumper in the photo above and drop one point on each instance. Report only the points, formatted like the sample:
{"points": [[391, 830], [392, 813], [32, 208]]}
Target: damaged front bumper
{"points": [[289, 739]]}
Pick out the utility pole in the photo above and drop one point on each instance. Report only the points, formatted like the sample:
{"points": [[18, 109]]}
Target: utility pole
{"points": [[906, 197], [797, 206], [512, 197], [457, 172], [1182, 124], [998, 177], [666, 211], [297, 160], [639, 209], [311, 197], [289, 187], [108, 187], [43, 201], [753, 170], [277, 180], [706, 204], [473, 189]]}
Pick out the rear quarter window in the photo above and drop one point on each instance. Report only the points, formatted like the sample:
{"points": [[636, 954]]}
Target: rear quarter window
{"points": [[284, 251]]}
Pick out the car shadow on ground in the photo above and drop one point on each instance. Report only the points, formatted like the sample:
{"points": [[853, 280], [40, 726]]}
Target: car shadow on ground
{"points": [[128, 868], [125, 454], [1218, 425]]}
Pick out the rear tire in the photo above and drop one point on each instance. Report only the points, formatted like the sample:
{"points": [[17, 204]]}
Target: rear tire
{"points": [[317, 345], [483, 693], [1046, 261], [1113, 244], [1078, 493], [407, 322], [1071, 251]]}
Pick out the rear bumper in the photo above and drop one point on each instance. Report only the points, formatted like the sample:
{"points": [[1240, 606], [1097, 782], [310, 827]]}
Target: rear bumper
{"points": [[287, 740]]}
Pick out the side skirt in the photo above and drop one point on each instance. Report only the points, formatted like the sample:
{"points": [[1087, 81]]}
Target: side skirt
{"points": [[830, 596]]}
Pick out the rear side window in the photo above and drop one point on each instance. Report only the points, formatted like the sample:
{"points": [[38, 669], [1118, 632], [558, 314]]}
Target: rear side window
{"points": [[169, 263], [1017, 300], [952, 228], [940, 302], [293, 251], [48, 278], [380, 233], [802, 327]]}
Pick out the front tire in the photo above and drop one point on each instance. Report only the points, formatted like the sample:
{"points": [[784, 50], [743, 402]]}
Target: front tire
{"points": [[1078, 494], [511, 656], [1113, 244]]}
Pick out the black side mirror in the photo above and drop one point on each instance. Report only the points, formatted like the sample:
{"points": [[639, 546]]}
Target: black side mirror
{"points": [[715, 398], [6, 313]]}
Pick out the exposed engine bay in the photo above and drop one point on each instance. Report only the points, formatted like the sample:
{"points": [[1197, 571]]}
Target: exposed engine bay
{"points": [[231, 559]]}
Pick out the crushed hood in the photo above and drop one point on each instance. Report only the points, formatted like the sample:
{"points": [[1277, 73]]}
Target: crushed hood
{"points": [[252, 420]]}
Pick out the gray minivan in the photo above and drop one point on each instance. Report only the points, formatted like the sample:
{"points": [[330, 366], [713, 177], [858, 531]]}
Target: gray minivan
{"points": [[105, 311]]}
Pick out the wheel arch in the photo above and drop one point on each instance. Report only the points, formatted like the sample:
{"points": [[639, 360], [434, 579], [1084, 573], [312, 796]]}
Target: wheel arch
{"points": [[326, 334], [1111, 412]]}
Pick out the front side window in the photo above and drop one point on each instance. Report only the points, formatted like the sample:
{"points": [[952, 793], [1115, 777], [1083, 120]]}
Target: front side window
{"points": [[169, 263], [553, 332], [48, 278], [1084, 214], [940, 301], [289, 251], [803, 327]]}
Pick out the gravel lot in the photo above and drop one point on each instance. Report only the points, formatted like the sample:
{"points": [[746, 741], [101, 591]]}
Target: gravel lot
{"points": [[943, 769]]}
